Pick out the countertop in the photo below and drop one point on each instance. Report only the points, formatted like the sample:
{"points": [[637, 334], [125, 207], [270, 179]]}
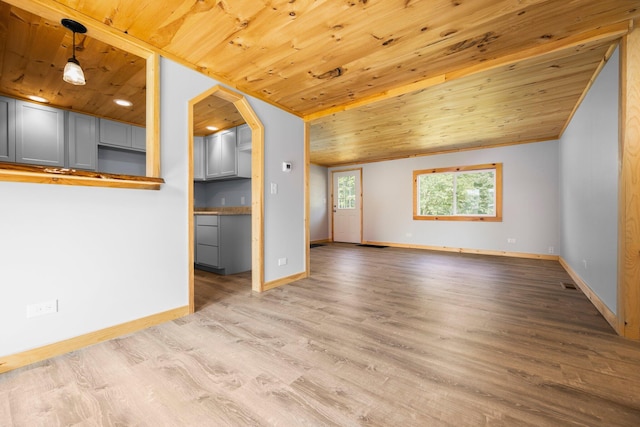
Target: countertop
{"points": [[224, 210]]}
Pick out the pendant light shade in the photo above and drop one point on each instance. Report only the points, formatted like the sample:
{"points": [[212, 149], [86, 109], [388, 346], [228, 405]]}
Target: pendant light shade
{"points": [[72, 71]]}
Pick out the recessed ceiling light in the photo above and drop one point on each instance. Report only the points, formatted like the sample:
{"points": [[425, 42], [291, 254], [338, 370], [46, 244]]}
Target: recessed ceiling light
{"points": [[38, 98], [123, 102], [213, 128]]}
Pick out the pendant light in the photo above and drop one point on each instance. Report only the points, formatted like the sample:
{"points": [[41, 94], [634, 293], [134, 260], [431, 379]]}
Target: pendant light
{"points": [[72, 71]]}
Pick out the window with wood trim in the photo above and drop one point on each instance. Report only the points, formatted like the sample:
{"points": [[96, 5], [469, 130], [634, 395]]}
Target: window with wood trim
{"points": [[462, 193]]}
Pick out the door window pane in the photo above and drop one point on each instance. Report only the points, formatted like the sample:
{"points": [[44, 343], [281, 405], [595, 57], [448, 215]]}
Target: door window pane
{"points": [[346, 192]]}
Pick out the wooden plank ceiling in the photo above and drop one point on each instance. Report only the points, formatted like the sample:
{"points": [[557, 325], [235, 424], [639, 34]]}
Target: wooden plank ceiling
{"points": [[34, 52], [376, 79]]}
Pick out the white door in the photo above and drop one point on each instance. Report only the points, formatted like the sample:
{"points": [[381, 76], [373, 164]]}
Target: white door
{"points": [[347, 206]]}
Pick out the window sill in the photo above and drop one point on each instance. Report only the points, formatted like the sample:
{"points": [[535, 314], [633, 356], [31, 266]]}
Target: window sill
{"points": [[458, 218], [55, 175]]}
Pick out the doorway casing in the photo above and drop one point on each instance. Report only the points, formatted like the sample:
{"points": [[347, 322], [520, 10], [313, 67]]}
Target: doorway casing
{"points": [[257, 186]]}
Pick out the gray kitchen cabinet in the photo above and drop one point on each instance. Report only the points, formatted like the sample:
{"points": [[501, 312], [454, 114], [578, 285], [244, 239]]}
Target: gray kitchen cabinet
{"points": [[7, 129], [123, 135], [115, 133], [207, 242], [212, 156], [220, 157], [243, 135], [198, 158], [82, 141], [39, 134], [221, 154], [139, 138], [223, 243]]}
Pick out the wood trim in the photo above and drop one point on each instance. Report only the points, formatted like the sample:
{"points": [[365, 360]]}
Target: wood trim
{"points": [[153, 116], [54, 11], [257, 184], [361, 198], [629, 189], [28, 357], [609, 315], [440, 152], [190, 210], [307, 199], [257, 193], [497, 167], [599, 35], [51, 175], [466, 250], [284, 281], [100, 31], [320, 241]]}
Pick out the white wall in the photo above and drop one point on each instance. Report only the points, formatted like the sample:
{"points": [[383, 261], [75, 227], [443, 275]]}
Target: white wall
{"points": [[283, 211], [318, 203], [114, 255], [530, 201], [589, 186]]}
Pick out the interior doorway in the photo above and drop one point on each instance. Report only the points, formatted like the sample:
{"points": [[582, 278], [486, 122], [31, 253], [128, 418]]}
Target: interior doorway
{"points": [[346, 202], [257, 181]]}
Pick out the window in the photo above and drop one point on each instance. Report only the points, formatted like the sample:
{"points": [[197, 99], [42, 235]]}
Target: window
{"points": [[465, 193], [347, 192]]}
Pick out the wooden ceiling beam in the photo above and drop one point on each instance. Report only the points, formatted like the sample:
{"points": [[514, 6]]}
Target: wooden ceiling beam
{"points": [[53, 11], [578, 42]]}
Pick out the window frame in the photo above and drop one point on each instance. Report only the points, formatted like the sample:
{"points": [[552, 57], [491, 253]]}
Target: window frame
{"points": [[497, 167]]}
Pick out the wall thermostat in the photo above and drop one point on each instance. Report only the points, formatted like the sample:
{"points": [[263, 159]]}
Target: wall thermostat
{"points": [[286, 166]]}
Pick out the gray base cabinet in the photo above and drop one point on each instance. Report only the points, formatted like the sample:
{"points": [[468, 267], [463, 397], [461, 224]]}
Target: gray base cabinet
{"points": [[223, 243]]}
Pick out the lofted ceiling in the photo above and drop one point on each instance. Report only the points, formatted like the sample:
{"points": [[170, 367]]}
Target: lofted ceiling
{"points": [[375, 79]]}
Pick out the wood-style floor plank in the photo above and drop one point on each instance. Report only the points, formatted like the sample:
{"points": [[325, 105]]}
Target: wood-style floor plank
{"points": [[375, 337]]}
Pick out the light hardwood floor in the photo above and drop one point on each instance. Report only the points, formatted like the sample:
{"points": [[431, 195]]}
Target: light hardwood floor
{"points": [[380, 337]]}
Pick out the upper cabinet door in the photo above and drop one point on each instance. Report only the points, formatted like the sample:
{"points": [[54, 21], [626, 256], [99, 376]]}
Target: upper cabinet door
{"points": [[244, 137], [212, 152], [83, 141], [115, 133], [198, 158], [39, 134], [228, 159], [139, 138], [7, 129]]}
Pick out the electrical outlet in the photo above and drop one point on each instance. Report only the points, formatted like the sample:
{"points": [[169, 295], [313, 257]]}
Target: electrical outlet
{"points": [[222, 201], [274, 188], [584, 261], [242, 200], [511, 240], [552, 250], [282, 261], [40, 309]]}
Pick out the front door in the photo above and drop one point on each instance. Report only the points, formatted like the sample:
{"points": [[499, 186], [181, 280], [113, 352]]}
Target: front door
{"points": [[347, 206]]}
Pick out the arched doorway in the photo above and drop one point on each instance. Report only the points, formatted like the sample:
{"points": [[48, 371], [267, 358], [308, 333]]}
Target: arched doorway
{"points": [[257, 183]]}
